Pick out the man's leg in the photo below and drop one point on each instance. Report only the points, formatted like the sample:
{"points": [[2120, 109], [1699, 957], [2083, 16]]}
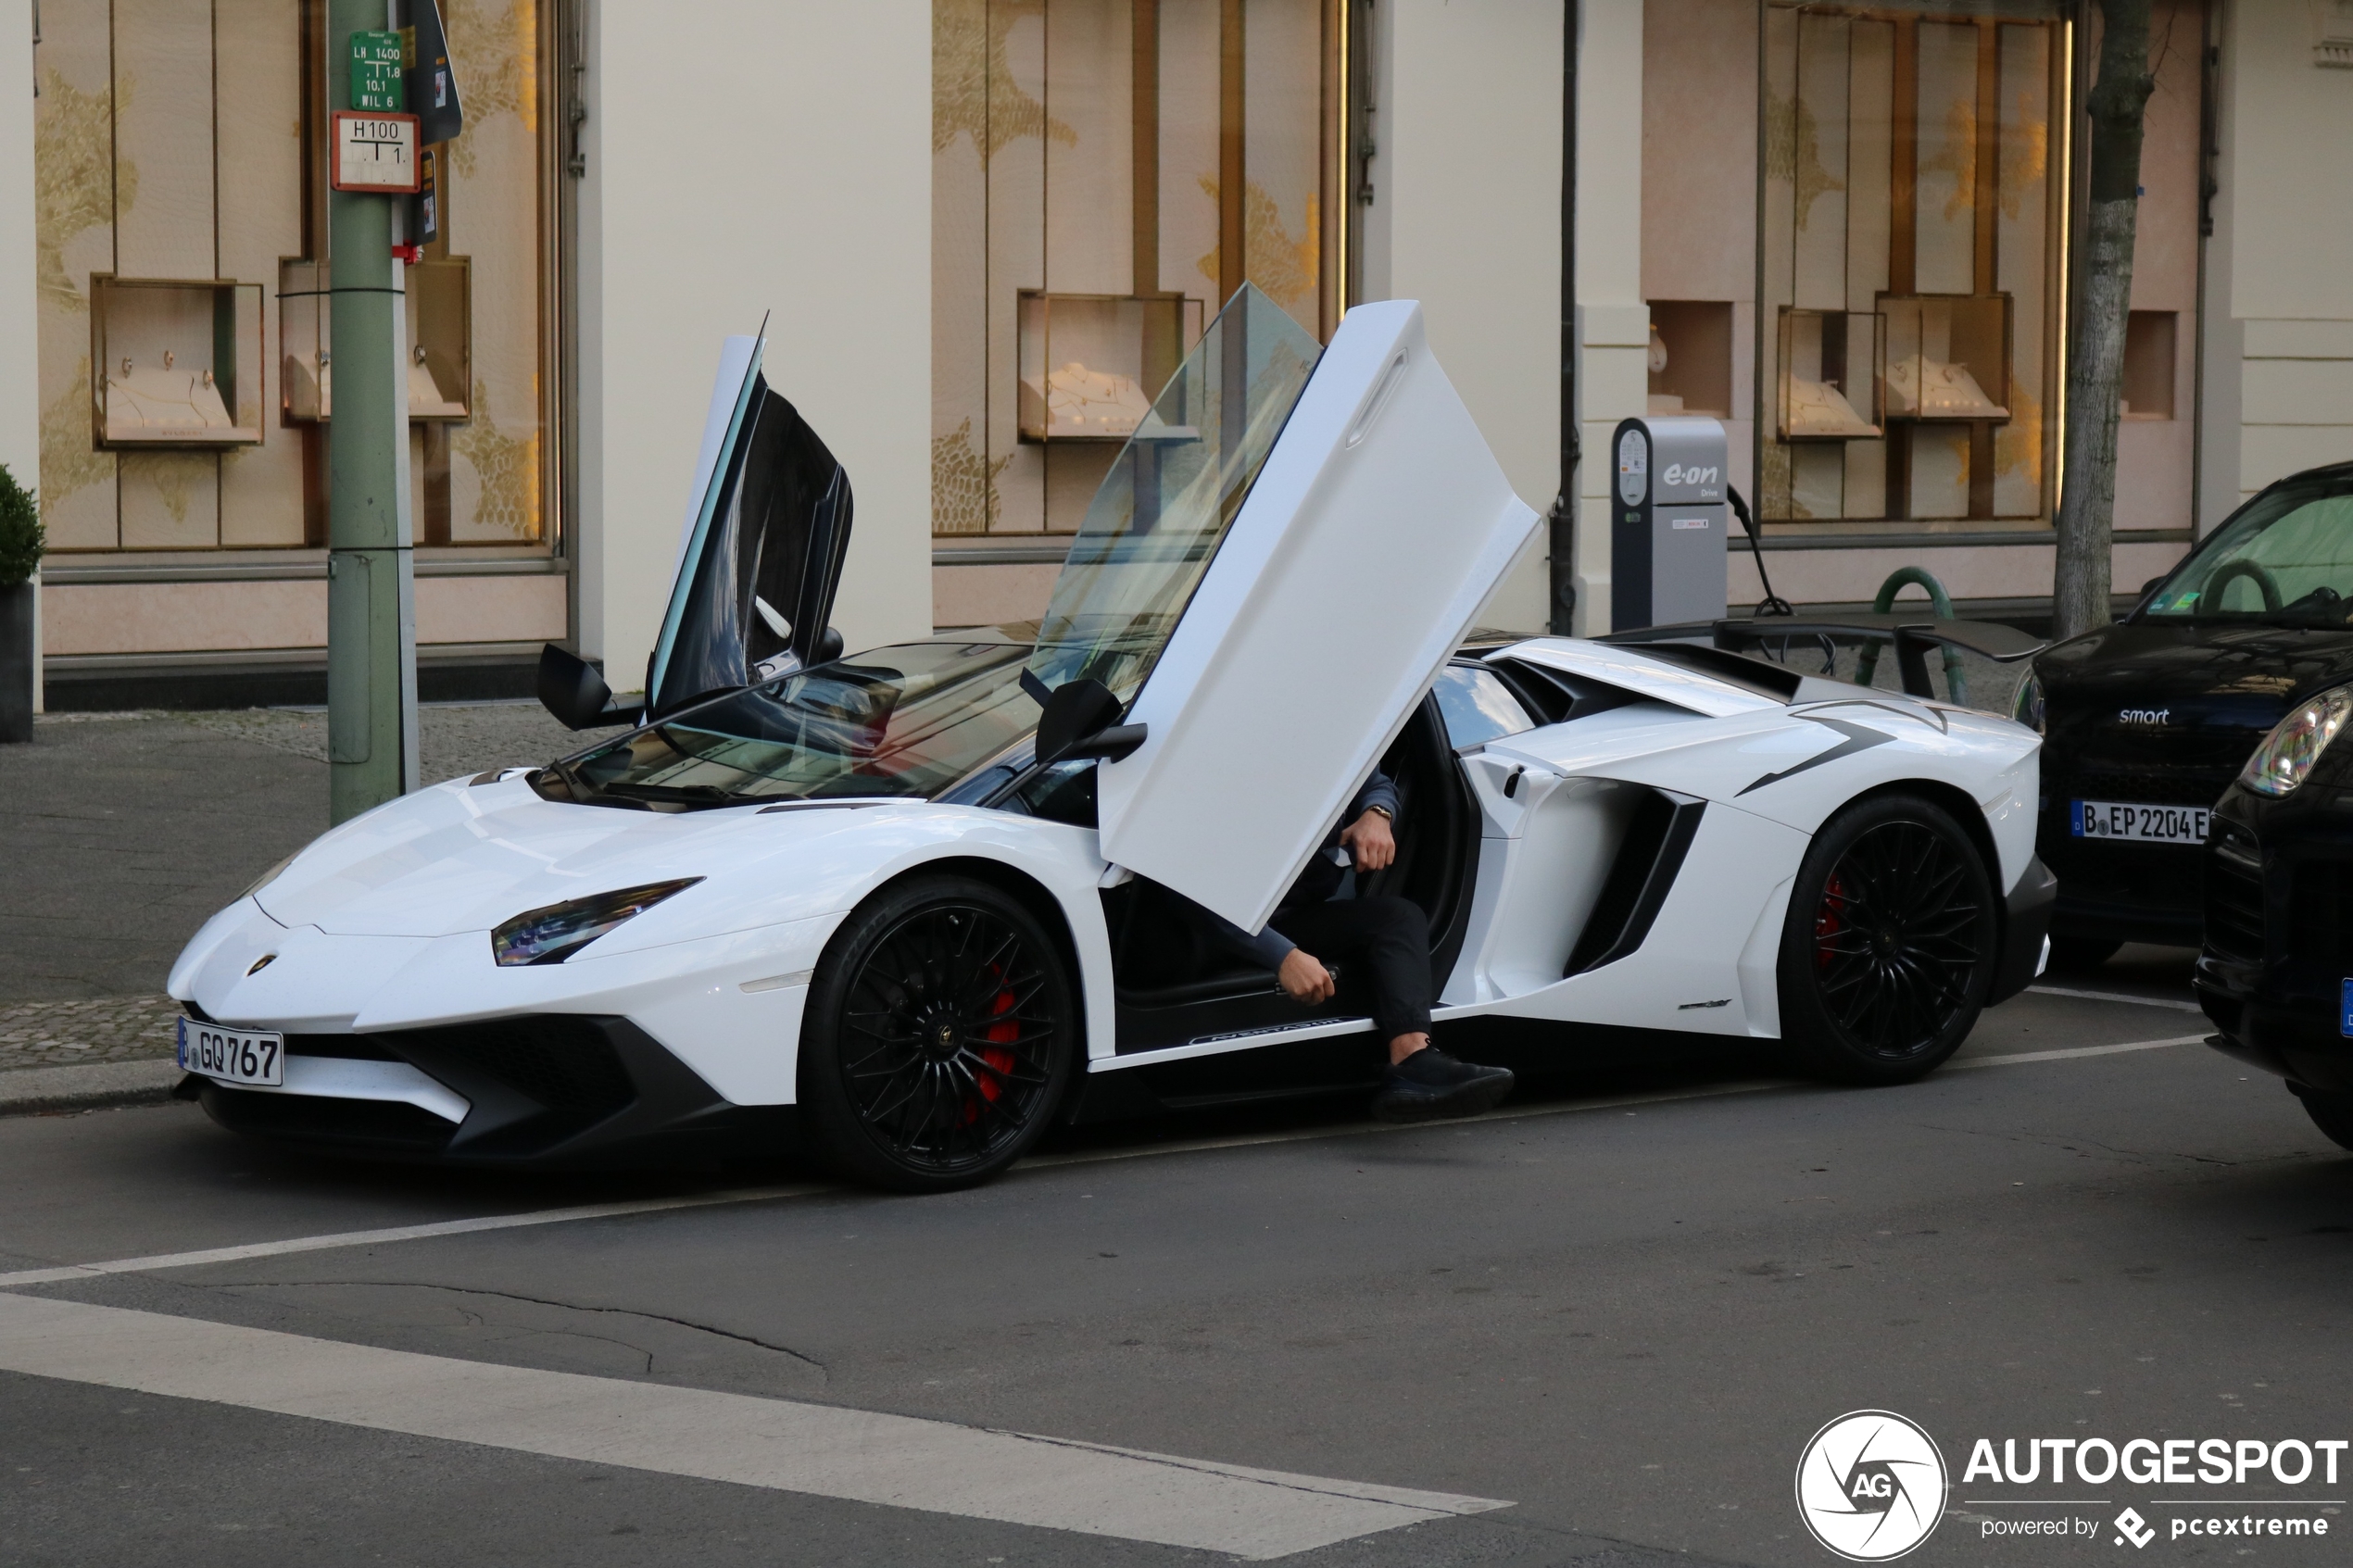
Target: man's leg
{"points": [[1391, 937]]}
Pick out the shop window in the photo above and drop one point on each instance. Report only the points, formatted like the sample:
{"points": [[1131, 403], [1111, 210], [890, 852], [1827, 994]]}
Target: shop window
{"points": [[185, 371], [2148, 365], [1691, 357], [1910, 239], [1105, 173]]}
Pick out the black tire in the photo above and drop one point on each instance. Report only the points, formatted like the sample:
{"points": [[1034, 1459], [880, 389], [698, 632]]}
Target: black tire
{"points": [[1889, 947], [2332, 1112], [2075, 955], [940, 1034]]}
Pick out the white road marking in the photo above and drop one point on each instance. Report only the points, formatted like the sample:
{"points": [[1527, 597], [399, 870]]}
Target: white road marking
{"points": [[825, 1451], [2068, 1055], [399, 1233], [60, 1272], [2176, 1003]]}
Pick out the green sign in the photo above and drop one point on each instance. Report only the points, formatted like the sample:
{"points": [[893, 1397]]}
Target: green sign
{"points": [[377, 60]]}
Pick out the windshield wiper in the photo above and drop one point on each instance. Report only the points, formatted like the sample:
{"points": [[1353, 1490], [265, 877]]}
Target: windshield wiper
{"points": [[691, 795]]}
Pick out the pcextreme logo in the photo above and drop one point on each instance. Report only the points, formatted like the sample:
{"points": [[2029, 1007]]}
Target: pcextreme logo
{"points": [[1871, 1485]]}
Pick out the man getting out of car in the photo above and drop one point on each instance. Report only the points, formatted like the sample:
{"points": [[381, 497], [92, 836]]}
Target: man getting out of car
{"points": [[1389, 937]]}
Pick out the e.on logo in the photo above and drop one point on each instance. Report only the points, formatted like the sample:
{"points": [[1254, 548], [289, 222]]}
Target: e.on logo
{"points": [[1676, 473]]}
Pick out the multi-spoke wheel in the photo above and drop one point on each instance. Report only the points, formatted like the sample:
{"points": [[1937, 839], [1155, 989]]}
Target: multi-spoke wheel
{"points": [[1888, 950], [939, 1036]]}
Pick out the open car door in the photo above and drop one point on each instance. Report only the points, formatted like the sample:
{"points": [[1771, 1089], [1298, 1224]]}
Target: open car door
{"points": [[1272, 574], [761, 555]]}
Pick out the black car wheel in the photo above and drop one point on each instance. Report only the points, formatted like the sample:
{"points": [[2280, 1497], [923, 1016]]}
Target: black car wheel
{"points": [[940, 1035], [2332, 1112], [1889, 947]]}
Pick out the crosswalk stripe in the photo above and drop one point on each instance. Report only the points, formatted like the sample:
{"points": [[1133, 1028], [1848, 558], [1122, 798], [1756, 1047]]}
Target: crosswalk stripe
{"points": [[825, 1451]]}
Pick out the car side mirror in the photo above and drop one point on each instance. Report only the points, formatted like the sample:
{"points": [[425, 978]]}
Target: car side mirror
{"points": [[571, 690], [829, 646], [1081, 719]]}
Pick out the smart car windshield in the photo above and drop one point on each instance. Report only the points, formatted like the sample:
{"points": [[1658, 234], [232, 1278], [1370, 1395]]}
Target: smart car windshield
{"points": [[2285, 559], [909, 720]]}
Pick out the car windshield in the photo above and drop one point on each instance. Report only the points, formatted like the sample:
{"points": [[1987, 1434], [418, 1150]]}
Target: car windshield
{"points": [[2286, 558], [1170, 495], [905, 720]]}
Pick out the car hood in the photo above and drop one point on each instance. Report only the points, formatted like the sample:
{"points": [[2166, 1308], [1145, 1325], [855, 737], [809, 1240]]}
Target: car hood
{"points": [[2195, 697], [459, 858]]}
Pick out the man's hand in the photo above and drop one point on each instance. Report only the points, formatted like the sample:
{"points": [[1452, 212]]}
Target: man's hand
{"points": [[1369, 842], [1304, 978]]}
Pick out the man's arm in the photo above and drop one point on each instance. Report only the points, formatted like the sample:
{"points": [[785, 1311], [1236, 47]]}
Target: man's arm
{"points": [[1367, 839]]}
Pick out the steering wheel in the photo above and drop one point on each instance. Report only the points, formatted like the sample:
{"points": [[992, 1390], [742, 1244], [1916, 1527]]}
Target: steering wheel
{"points": [[2253, 571]]}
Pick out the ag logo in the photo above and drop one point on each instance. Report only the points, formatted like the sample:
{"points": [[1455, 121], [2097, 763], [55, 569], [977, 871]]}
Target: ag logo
{"points": [[1871, 1485]]}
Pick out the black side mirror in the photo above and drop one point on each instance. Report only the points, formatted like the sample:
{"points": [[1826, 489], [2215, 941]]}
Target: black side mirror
{"points": [[1081, 719], [571, 690], [828, 647]]}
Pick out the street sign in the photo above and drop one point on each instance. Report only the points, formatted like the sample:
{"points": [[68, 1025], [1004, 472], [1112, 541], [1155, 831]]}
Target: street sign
{"points": [[377, 153], [378, 65]]}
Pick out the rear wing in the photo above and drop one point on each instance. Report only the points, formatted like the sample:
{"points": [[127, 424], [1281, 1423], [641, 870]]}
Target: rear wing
{"points": [[1911, 636]]}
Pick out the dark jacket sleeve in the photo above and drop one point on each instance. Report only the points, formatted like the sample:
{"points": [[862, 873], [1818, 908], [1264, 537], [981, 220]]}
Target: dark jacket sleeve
{"points": [[1379, 790]]}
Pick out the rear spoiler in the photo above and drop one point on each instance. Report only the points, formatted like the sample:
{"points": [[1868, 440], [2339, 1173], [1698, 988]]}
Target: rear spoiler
{"points": [[1911, 636]]}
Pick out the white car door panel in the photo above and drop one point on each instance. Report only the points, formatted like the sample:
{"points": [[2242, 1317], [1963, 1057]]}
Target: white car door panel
{"points": [[1377, 530]]}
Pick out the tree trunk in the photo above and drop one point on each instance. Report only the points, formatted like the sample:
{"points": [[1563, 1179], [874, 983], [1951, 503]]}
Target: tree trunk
{"points": [[2095, 349]]}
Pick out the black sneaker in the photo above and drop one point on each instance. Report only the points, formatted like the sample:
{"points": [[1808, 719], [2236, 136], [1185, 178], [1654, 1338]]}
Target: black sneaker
{"points": [[1429, 1085]]}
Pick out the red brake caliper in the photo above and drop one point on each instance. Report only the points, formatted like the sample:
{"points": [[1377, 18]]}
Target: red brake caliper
{"points": [[1001, 1034], [1829, 921]]}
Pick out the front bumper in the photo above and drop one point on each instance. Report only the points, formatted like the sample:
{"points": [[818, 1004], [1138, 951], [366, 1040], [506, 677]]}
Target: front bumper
{"points": [[2279, 935], [542, 1091]]}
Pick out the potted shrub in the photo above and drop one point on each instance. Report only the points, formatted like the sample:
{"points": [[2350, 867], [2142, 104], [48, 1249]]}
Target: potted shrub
{"points": [[20, 554]]}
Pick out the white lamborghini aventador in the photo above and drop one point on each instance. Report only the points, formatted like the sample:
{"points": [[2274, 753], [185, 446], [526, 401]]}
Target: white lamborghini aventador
{"points": [[913, 905]]}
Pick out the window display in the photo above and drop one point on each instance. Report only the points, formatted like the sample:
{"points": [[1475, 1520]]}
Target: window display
{"points": [[439, 327], [179, 362], [1104, 173], [1914, 185]]}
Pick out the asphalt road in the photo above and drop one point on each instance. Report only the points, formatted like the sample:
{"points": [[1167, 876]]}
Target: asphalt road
{"points": [[1621, 1307]]}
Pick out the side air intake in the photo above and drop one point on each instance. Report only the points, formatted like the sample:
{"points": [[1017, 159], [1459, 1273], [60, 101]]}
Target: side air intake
{"points": [[1648, 860]]}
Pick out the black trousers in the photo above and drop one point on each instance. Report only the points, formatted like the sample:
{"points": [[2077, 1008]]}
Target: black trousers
{"points": [[1388, 938]]}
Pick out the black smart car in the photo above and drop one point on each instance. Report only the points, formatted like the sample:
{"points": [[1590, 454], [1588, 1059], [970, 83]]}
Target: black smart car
{"points": [[2146, 722]]}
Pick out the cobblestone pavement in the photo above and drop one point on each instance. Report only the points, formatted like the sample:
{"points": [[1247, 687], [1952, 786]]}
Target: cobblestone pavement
{"points": [[106, 1029], [452, 738]]}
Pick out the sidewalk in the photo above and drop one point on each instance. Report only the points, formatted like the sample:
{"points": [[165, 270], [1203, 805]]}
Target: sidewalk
{"points": [[122, 834]]}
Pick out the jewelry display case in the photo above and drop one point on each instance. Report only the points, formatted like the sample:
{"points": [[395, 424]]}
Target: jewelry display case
{"points": [[1691, 358], [1089, 365], [1832, 375], [1948, 356], [440, 341], [177, 363]]}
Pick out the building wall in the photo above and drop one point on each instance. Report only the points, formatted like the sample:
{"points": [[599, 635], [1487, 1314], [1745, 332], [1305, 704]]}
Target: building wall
{"points": [[2279, 350], [774, 156], [19, 341], [1466, 218], [1613, 380]]}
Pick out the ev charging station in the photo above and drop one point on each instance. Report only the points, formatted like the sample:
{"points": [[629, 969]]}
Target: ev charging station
{"points": [[1669, 523]]}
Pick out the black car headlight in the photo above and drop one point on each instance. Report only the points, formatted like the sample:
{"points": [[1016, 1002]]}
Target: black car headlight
{"points": [[2027, 705], [2295, 742], [553, 934]]}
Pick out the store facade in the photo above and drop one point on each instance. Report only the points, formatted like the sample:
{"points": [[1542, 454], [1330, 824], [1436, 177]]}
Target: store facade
{"points": [[980, 231]]}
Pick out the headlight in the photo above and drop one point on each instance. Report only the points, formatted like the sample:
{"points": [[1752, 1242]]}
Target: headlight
{"points": [[2027, 706], [2297, 742], [554, 934]]}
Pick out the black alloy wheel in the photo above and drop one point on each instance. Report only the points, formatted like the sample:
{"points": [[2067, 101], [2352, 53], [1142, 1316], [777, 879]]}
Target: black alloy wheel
{"points": [[1888, 950], [939, 1036]]}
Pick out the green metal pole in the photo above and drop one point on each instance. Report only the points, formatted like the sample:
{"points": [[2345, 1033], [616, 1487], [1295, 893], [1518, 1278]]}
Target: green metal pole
{"points": [[371, 692]]}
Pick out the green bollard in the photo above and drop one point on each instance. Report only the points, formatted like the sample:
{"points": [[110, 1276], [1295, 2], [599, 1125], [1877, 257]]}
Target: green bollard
{"points": [[1956, 678]]}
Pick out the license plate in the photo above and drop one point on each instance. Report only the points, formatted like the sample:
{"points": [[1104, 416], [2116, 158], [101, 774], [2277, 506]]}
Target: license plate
{"points": [[2142, 825], [236, 1056]]}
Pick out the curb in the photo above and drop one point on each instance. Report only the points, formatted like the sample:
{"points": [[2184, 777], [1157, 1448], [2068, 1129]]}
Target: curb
{"points": [[87, 1086]]}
